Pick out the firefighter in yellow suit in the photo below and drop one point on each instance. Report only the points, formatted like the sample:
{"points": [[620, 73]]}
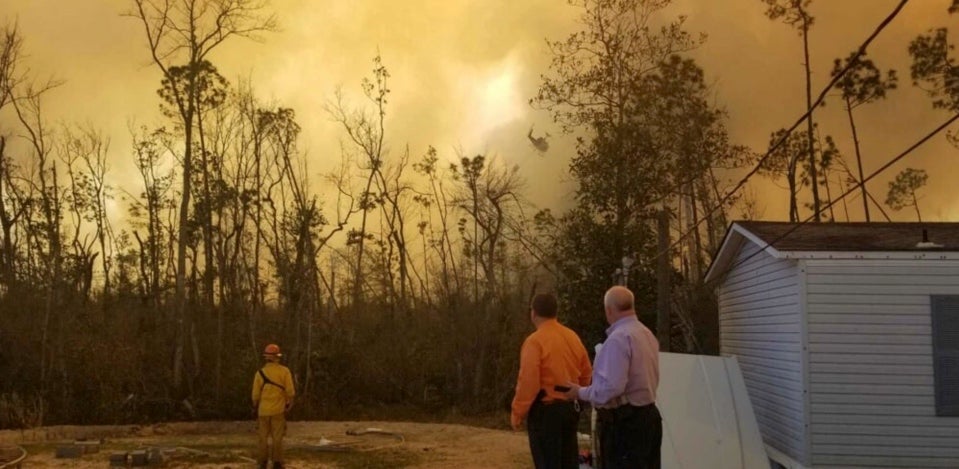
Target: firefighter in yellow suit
{"points": [[273, 393]]}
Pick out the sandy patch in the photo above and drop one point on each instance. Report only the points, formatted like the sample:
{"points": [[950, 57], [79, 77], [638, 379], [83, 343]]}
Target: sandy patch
{"points": [[225, 445]]}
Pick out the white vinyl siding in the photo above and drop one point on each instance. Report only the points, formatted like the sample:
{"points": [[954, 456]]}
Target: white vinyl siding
{"points": [[760, 324], [872, 389]]}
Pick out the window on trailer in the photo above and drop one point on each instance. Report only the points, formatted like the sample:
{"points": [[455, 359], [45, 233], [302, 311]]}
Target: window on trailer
{"points": [[945, 352]]}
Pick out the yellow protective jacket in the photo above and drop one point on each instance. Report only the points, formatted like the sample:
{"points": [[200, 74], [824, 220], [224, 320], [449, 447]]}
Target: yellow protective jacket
{"points": [[271, 399]]}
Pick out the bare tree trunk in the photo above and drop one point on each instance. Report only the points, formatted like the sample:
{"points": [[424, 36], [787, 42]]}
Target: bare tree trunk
{"points": [[832, 213], [793, 206], [706, 203], [663, 294], [208, 266], [697, 258], [476, 249], [809, 123], [845, 207], [445, 244], [182, 239], [719, 223], [868, 194], [681, 218], [358, 286], [155, 236], [258, 239], [7, 220], [855, 141], [51, 210], [318, 304], [915, 203], [878, 206]]}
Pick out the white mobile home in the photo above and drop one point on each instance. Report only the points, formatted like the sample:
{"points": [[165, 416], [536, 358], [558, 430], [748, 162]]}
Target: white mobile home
{"points": [[848, 339]]}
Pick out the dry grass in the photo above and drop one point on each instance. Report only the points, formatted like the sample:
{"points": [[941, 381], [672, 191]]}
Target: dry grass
{"points": [[223, 445]]}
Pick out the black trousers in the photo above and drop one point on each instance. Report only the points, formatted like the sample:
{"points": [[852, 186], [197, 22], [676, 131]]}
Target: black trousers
{"points": [[552, 435], [630, 437]]}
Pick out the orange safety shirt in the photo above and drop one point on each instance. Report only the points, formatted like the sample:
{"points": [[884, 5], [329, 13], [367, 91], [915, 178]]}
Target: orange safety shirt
{"points": [[553, 355]]}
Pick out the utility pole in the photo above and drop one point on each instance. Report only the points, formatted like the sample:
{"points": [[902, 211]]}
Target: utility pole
{"points": [[662, 284], [627, 264]]}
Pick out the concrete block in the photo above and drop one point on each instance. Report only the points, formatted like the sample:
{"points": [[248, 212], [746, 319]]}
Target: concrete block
{"points": [[155, 457], [89, 446], [69, 452], [138, 458], [118, 460]]}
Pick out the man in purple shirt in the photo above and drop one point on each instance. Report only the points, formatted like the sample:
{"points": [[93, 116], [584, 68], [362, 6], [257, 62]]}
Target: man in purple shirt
{"points": [[625, 377]]}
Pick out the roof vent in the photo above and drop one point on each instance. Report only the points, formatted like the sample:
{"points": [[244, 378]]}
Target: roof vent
{"points": [[925, 243]]}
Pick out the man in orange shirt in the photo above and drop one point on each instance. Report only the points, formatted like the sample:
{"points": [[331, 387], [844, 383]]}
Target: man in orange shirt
{"points": [[552, 356]]}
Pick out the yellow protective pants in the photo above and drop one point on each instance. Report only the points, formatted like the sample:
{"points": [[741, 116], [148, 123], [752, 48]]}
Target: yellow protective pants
{"points": [[272, 426]]}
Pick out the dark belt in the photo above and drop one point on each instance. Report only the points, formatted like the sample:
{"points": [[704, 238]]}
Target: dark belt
{"points": [[622, 412], [541, 395], [556, 402]]}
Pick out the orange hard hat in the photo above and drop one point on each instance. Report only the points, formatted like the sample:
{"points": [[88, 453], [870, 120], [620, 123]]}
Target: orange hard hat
{"points": [[272, 350]]}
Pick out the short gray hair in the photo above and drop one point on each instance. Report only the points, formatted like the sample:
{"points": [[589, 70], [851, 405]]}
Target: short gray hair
{"points": [[619, 299]]}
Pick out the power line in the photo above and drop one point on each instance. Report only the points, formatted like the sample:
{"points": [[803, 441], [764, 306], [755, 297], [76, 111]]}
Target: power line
{"points": [[822, 96], [854, 188]]}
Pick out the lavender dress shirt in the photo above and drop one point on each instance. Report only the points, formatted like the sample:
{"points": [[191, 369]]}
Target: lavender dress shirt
{"points": [[626, 369]]}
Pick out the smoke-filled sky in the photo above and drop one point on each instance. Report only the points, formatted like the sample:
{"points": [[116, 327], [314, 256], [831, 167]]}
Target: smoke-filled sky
{"points": [[464, 70]]}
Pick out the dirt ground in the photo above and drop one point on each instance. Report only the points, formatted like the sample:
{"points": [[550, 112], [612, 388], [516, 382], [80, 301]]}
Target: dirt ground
{"points": [[225, 445]]}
